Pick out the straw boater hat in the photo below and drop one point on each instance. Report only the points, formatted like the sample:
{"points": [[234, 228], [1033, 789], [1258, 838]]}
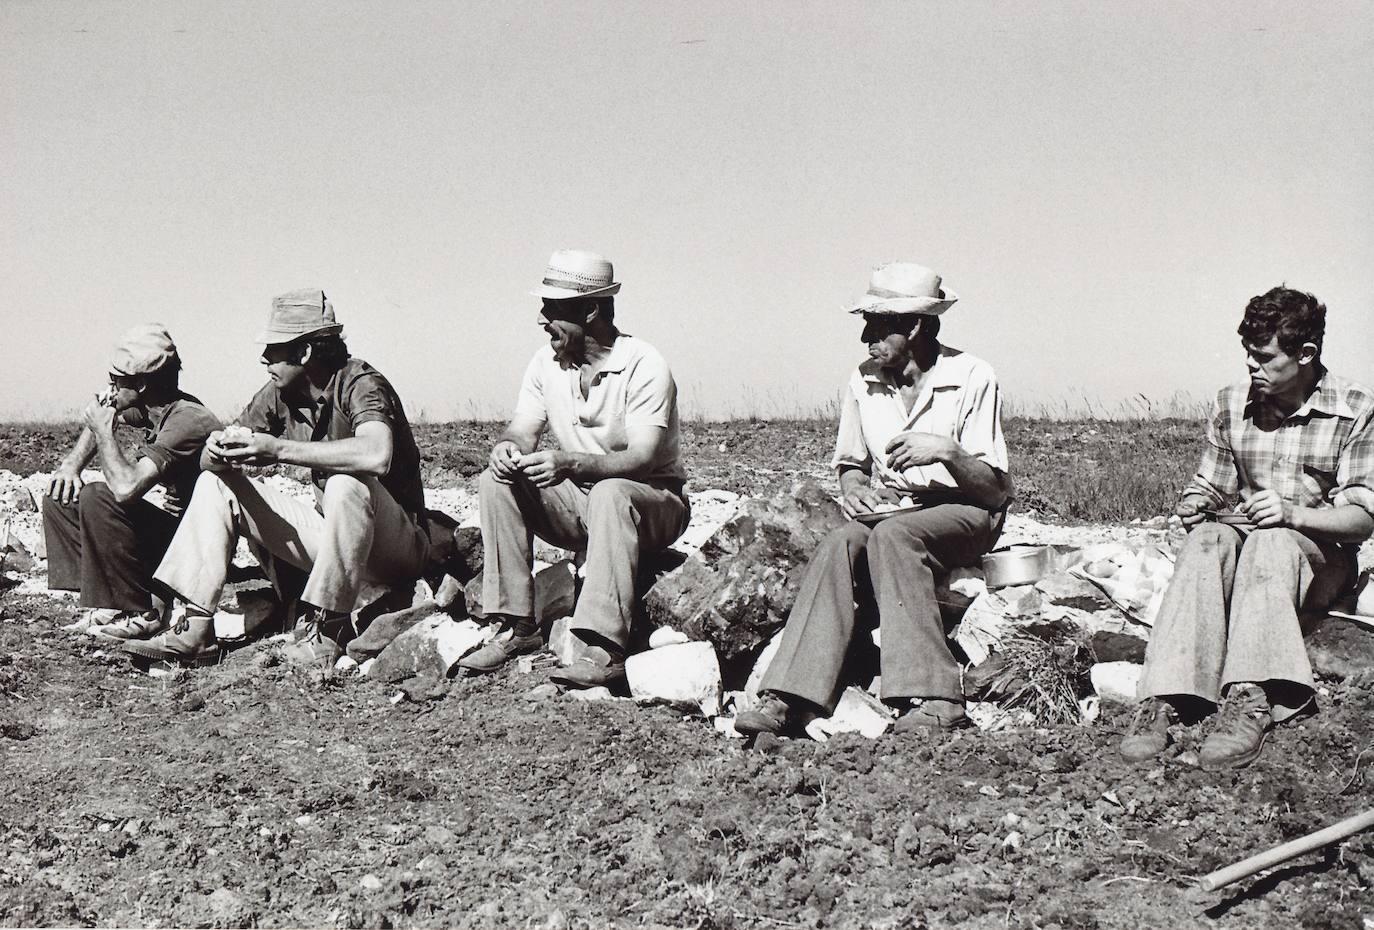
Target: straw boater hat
{"points": [[905, 287], [297, 314], [574, 273], [142, 350]]}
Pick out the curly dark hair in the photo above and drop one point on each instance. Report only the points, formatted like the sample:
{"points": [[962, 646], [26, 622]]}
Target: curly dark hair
{"points": [[1295, 317]]}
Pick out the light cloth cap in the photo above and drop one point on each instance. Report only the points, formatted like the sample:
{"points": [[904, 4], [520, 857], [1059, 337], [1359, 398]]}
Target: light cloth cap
{"points": [[575, 273], [143, 349], [904, 287], [306, 312]]}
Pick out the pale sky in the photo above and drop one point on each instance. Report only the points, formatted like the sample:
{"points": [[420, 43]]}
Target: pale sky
{"points": [[1103, 184]]}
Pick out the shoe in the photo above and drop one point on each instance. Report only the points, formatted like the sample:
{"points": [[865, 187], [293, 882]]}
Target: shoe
{"points": [[317, 638], [1148, 734], [1242, 726], [933, 714], [498, 652], [769, 715], [130, 625], [586, 673], [91, 616], [184, 645]]}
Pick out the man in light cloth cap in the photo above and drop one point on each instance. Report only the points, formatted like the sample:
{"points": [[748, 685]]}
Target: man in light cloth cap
{"points": [[613, 487], [104, 539], [1282, 499], [925, 420], [339, 417]]}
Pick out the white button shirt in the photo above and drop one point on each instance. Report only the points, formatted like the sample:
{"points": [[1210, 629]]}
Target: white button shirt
{"points": [[959, 399]]}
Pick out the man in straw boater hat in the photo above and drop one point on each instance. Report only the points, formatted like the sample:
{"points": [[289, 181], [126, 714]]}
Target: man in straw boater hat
{"points": [[338, 416], [1292, 448], [925, 421], [103, 538], [614, 485]]}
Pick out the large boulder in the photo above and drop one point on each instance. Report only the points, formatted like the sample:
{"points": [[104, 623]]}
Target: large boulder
{"points": [[430, 648], [737, 590], [1339, 648]]}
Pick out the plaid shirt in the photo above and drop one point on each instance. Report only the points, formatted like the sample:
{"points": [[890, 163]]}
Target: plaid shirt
{"points": [[1321, 455]]}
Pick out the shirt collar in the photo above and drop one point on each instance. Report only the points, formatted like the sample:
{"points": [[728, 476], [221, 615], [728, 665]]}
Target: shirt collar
{"points": [[619, 356], [1326, 398]]}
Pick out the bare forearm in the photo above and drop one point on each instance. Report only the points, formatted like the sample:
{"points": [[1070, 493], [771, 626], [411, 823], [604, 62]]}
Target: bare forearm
{"points": [[853, 479], [1347, 523], [984, 485], [524, 441], [120, 473], [354, 455], [81, 454], [586, 466]]}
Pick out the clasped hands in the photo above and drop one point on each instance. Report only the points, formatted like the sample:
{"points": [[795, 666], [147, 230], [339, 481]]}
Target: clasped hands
{"points": [[1265, 509], [541, 469]]}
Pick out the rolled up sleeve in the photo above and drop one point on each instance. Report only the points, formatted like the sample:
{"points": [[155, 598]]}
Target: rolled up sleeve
{"points": [[1355, 469], [530, 403], [651, 394], [980, 425], [1216, 477], [851, 449]]}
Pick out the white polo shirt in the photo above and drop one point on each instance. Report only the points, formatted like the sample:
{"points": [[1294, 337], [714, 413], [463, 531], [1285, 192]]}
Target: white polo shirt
{"points": [[633, 388], [959, 399]]}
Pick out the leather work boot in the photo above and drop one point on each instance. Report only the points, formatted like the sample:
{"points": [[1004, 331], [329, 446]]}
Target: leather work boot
{"points": [[589, 673], [769, 715], [1242, 725], [498, 652], [933, 714], [91, 616], [130, 624], [1148, 734], [317, 638], [190, 643]]}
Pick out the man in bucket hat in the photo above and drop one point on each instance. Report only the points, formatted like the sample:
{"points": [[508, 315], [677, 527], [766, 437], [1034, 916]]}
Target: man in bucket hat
{"points": [[104, 539], [925, 421], [338, 416], [613, 487]]}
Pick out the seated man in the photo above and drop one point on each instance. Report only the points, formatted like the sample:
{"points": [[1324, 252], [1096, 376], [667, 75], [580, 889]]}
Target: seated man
{"points": [[104, 540], [926, 419], [614, 486], [338, 417], [1293, 447]]}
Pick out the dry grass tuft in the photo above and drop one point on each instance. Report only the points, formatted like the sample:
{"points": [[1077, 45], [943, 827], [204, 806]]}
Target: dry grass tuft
{"points": [[1053, 667]]}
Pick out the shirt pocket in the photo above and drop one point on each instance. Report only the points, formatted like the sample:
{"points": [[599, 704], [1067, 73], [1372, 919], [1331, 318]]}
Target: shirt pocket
{"points": [[1317, 473]]}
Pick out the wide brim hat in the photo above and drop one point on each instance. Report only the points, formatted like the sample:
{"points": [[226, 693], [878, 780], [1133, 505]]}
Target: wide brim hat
{"points": [[297, 314], [904, 288], [573, 273], [143, 350]]}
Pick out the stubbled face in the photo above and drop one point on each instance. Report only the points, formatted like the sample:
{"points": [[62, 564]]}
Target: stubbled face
{"points": [[888, 338], [565, 321], [286, 367], [1272, 370], [126, 391]]}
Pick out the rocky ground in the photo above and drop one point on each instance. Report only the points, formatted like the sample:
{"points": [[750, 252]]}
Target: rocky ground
{"points": [[253, 793]]}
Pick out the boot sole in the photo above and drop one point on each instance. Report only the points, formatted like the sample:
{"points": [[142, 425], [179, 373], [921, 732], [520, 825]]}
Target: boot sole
{"points": [[146, 654], [576, 681]]}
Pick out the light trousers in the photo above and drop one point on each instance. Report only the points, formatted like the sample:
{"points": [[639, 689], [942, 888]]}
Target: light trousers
{"points": [[358, 533], [1231, 614], [617, 521], [895, 564]]}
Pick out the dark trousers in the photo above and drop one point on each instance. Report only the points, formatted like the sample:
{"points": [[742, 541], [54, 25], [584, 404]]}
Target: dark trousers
{"points": [[892, 566], [104, 549]]}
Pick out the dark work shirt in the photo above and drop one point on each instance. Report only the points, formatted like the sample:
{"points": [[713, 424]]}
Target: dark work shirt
{"points": [[172, 440], [356, 394]]}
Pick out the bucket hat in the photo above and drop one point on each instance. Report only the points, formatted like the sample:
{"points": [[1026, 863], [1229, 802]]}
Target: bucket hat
{"points": [[575, 273], [296, 314], [142, 350], [904, 287]]}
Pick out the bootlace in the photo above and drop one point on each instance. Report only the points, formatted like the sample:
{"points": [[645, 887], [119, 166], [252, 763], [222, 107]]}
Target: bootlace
{"points": [[1244, 703]]}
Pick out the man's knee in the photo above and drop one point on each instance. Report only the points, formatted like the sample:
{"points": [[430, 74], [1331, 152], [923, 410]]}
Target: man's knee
{"points": [[346, 491], [844, 538], [1208, 539], [96, 498], [55, 511], [1276, 545], [611, 496], [892, 535], [492, 488]]}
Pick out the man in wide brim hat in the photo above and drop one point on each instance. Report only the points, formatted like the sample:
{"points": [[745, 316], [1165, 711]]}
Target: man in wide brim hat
{"points": [[613, 488], [922, 422], [335, 414], [103, 539]]}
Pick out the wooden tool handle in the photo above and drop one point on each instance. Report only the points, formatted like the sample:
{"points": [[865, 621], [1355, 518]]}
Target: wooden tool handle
{"points": [[1323, 837]]}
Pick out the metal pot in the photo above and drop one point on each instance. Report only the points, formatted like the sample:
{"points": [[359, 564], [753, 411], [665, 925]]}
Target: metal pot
{"points": [[1024, 563]]}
